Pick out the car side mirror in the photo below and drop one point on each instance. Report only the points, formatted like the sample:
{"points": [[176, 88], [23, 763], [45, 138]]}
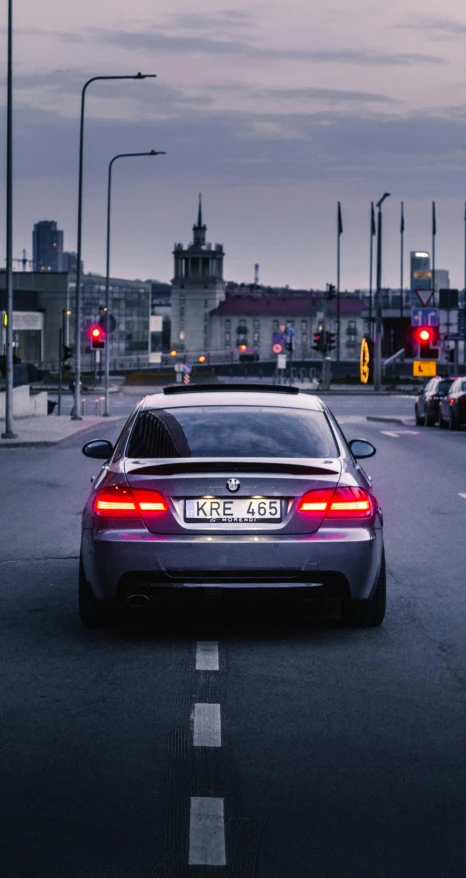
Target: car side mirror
{"points": [[362, 448], [100, 449]]}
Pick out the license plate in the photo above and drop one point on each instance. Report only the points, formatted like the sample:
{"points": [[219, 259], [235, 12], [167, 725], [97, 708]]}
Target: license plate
{"points": [[233, 511]]}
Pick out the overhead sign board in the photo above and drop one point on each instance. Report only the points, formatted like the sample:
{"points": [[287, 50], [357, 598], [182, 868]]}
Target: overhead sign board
{"points": [[424, 368], [424, 317]]}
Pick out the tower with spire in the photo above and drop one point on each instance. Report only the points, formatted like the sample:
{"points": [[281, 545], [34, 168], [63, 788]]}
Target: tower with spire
{"points": [[197, 289]]}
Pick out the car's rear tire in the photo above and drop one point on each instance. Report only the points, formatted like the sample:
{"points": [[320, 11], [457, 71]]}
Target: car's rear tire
{"points": [[453, 422], [429, 420], [370, 613], [93, 613], [419, 420]]}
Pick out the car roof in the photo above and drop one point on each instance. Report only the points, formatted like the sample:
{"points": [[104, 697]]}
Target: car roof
{"points": [[223, 396]]}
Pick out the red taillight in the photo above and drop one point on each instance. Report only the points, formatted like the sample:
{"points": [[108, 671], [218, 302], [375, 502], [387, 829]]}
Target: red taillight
{"points": [[316, 501], [452, 399], [117, 502], [341, 503]]}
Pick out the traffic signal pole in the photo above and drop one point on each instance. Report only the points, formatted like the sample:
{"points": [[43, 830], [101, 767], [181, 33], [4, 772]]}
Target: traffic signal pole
{"points": [[60, 368]]}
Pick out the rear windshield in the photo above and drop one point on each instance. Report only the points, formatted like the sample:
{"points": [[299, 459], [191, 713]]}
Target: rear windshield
{"points": [[444, 386], [231, 431]]}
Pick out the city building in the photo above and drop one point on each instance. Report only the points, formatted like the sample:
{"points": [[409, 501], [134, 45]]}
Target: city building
{"points": [[198, 289], [420, 273], [41, 303], [47, 246]]}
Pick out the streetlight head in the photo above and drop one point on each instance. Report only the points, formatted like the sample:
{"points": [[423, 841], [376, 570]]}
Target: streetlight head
{"points": [[145, 76], [384, 196]]}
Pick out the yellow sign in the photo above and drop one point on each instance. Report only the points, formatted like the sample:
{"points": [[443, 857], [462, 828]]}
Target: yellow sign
{"points": [[364, 361], [5, 319], [424, 368]]}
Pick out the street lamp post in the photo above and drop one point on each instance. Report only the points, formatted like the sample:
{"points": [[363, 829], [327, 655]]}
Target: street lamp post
{"points": [[9, 432], [77, 389], [123, 155], [378, 300]]}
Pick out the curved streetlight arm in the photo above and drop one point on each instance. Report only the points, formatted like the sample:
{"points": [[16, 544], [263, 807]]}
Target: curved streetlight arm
{"points": [[76, 415], [121, 155]]}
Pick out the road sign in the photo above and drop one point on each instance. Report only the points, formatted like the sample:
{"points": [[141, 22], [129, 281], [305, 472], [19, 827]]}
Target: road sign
{"points": [[424, 317], [424, 296], [424, 368], [277, 347], [281, 361], [186, 368]]}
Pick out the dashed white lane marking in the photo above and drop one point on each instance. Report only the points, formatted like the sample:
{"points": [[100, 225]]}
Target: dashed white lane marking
{"points": [[207, 656], [207, 725], [402, 433], [463, 496], [207, 832]]}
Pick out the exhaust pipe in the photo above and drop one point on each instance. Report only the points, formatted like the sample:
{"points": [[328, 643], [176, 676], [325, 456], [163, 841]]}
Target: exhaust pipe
{"points": [[137, 600]]}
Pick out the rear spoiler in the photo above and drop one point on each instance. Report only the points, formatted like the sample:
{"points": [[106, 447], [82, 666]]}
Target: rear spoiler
{"points": [[134, 468]]}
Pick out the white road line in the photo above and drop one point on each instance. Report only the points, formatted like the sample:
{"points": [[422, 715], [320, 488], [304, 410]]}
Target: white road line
{"points": [[389, 433], [206, 656], [207, 832], [207, 725], [463, 496]]}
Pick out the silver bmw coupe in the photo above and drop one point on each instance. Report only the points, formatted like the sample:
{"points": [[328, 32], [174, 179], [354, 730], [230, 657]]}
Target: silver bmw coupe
{"points": [[239, 490]]}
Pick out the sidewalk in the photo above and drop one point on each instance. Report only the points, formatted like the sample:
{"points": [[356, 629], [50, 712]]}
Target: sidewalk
{"points": [[52, 430]]}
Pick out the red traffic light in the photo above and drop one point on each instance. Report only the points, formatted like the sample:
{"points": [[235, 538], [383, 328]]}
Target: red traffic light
{"points": [[424, 335], [97, 336], [96, 332]]}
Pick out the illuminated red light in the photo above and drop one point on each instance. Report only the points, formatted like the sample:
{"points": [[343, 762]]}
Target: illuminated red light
{"points": [[341, 503], [424, 335], [116, 502], [96, 332]]}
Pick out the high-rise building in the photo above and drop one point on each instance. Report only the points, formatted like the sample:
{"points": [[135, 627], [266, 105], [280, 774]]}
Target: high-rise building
{"points": [[197, 288], [421, 275], [69, 261], [47, 246]]}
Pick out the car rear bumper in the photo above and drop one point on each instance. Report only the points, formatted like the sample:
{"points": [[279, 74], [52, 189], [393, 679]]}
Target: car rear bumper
{"points": [[334, 562]]}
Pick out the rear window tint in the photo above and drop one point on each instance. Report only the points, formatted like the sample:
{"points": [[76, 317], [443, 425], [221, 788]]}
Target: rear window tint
{"points": [[231, 431]]}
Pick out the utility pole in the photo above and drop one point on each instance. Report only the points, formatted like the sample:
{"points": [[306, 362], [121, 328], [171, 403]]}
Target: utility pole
{"points": [[9, 432], [378, 300]]}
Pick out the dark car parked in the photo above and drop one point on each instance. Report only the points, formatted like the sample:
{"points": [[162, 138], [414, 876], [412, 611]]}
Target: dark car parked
{"points": [[427, 405], [453, 406]]}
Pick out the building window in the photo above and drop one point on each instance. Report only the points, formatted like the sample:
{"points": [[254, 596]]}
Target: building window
{"points": [[304, 325], [352, 325], [227, 343], [181, 310], [304, 336], [256, 324], [227, 323], [206, 303], [274, 324], [256, 337], [242, 323], [227, 337]]}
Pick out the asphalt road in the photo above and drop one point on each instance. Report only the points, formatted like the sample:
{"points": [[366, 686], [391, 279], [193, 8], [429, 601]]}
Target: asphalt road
{"points": [[341, 751]]}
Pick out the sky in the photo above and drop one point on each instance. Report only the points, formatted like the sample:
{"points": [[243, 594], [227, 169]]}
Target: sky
{"points": [[274, 111]]}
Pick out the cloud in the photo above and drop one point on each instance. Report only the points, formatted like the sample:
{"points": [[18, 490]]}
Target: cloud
{"points": [[437, 28], [324, 94], [156, 41]]}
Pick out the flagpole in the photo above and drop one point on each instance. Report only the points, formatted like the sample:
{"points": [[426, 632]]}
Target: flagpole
{"points": [[434, 232], [371, 267], [339, 231], [402, 232]]}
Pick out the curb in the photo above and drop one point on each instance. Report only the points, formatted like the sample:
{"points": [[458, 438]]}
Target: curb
{"points": [[47, 443]]}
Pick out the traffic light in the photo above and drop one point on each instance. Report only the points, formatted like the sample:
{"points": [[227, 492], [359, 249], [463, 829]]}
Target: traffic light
{"points": [[331, 291], [66, 352], [317, 343], [426, 338], [331, 340], [97, 338]]}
